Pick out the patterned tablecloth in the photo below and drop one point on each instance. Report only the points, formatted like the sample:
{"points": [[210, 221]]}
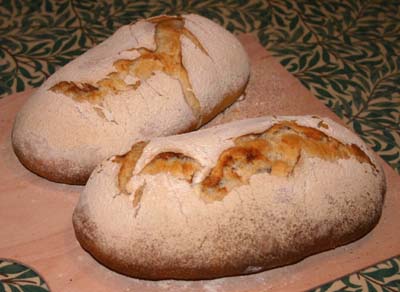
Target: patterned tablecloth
{"points": [[347, 53]]}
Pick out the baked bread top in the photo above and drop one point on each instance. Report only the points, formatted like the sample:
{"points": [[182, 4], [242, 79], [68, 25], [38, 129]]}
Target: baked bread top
{"points": [[159, 76], [217, 160]]}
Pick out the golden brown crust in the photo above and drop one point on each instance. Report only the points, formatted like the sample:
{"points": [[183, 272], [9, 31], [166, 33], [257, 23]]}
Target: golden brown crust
{"points": [[176, 164], [167, 57], [277, 151], [128, 163], [78, 91]]}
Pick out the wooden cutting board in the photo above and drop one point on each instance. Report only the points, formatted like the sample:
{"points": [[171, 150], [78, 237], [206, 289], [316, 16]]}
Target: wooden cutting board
{"points": [[35, 214]]}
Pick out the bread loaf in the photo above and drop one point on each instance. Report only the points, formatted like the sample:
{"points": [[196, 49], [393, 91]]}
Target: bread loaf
{"points": [[238, 198], [160, 76]]}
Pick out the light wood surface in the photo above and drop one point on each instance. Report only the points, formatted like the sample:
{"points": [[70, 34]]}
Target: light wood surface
{"points": [[35, 214]]}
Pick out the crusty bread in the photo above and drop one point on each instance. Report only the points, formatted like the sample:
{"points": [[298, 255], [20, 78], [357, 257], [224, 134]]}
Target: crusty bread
{"points": [[234, 199], [160, 76]]}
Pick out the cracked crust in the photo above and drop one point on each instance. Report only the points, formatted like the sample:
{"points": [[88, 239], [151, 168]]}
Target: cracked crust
{"points": [[163, 228], [277, 151], [140, 83], [176, 164]]}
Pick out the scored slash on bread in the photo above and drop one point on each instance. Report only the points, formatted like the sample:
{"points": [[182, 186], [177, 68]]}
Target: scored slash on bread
{"points": [[160, 76], [234, 199], [167, 57], [276, 150]]}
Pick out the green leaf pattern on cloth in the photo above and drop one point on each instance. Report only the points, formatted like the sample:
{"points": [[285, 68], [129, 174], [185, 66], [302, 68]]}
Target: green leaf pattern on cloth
{"points": [[383, 277], [346, 52], [16, 277]]}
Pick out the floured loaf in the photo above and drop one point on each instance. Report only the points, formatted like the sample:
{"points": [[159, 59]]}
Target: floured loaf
{"points": [[234, 199], [160, 76]]}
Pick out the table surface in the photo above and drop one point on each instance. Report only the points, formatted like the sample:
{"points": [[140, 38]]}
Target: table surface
{"points": [[345, 52]]}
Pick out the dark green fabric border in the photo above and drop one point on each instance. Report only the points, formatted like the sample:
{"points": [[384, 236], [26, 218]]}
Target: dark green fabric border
{"points": [[16, 276], [384, 276]]}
